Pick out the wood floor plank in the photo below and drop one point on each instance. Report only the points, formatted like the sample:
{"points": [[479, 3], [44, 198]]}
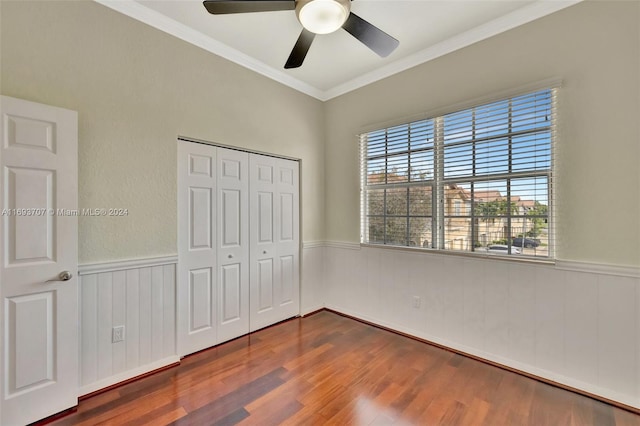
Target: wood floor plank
{"points": [[273, 414], [622, 417], [476, 412], [231, 405], [291, 389], [551, 406], [327, 369], [160, 415]]}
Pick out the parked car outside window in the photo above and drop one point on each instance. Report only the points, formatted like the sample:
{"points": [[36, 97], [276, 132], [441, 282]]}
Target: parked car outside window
{"points": [[525, 242], [502, 249]]}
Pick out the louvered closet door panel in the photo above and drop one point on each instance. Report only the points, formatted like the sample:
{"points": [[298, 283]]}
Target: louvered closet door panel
{"points": [[274, 293], [197, 287], [232, 243]]}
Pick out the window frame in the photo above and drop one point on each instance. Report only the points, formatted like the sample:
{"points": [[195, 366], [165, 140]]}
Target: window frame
{"points": [[439, 181]]}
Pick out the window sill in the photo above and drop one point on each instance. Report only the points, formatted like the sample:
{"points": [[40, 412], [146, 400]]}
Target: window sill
{"points": [[468, 255]]}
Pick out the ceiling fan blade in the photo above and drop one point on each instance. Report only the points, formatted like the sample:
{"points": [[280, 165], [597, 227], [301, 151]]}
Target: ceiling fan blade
{"points": [[370, 35], [296, 58], [222, 7]]}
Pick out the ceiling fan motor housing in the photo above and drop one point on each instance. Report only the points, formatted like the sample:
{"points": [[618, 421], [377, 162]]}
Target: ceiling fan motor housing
{"points": [[322, 16]]}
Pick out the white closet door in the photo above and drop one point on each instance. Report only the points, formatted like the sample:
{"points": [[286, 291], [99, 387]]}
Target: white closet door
{"points": [[238, 221], [233, 243], [197, 311], [263, 220], [274, 230], [288, 238]]}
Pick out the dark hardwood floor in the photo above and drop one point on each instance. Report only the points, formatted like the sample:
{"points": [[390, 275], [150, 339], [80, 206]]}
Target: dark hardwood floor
{"points": [[328, 369]]}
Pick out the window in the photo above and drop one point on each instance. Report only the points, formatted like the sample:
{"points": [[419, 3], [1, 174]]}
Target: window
{"points": [[464, 181]]}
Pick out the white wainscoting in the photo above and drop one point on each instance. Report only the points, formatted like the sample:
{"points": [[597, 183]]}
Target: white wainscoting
{"points": [[573, 323], [141, 295], [138, 294], [312, 277]]}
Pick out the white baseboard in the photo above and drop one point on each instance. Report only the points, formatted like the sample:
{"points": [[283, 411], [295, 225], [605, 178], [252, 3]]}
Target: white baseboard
{"points": [[126, 375], [554, 377], [309, 310]]}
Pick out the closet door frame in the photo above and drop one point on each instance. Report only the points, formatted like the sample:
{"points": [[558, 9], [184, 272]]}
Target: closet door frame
{"points": [[182, 288]]}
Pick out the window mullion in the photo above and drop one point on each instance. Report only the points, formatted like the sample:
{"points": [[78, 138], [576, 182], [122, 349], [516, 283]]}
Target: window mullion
{"points": [[364, 193], [473, 172], [474, 232], [384, 217], [386, 156], [510, 169], [438, 208], [551, 231], [407, 235]]}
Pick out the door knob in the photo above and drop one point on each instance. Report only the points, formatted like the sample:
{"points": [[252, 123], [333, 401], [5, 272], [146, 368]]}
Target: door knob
{"points": [[264, 252], [62, 276], [230, 256]]}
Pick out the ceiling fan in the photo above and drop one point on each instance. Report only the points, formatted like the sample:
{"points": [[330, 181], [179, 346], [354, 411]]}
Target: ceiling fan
{"points": [[316, 17]]}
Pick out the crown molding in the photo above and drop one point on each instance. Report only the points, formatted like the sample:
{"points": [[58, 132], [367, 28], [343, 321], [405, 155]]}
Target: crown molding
{"points": [[499, 25], [163, 23], [170, 26]]}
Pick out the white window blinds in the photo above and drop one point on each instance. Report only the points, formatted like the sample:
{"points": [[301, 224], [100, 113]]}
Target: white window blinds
{"points": [[477, 180]]}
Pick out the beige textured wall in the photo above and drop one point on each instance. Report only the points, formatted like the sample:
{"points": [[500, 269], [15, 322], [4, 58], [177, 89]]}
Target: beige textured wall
{"points": [[136, 89], [595, 48]]}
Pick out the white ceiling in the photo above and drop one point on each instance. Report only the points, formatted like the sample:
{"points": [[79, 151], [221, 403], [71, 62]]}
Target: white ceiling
{"points": [[338, 63]]}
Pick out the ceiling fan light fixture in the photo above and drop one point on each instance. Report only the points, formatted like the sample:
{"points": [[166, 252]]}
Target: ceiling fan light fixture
{"points": [[322, 16]]}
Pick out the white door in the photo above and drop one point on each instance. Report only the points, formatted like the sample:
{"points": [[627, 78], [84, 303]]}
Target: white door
{"points": [[274, 230], [233, 243], [197, 312], [288, 238], [39, 234]]}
